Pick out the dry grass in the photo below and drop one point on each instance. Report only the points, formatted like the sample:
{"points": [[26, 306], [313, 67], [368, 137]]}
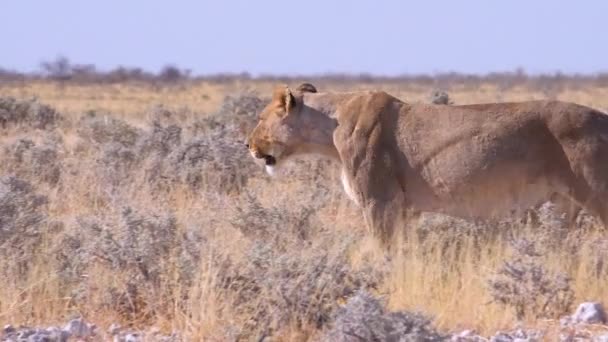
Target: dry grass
{"points": [[139, 205]]}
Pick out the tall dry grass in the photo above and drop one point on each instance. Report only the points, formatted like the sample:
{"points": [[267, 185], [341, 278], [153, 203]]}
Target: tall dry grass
{"points": [[139, 205]]}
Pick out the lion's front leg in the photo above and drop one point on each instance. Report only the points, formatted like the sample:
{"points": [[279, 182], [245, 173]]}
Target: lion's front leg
{"points": [[371, 176], [385, 215], [383, 198]]}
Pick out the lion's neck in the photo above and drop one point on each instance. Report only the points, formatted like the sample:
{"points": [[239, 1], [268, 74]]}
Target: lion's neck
{"points": [[325, 103], [318, 118]]}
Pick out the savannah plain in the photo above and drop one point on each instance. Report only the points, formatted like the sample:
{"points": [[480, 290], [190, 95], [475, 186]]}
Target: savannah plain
{"points": [[137, 203]]}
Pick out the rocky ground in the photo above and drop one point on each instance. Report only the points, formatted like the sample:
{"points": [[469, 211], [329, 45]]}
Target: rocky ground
{"points": [[588, 323], [80, 330]]}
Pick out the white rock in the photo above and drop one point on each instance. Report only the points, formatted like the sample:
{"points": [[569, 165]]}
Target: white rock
{"points": [[8, 329], [39, 337], [590, 312], [132, 338], [467, 336], [24, 334], [519, 335], [57, 334], [501, 337], [466, 333], [114, 329]]}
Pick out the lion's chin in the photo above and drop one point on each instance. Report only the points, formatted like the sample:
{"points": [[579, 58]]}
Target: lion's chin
{"points": [[271, 170]]}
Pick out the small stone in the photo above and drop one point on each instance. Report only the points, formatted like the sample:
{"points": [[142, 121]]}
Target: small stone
{"points": [[38, 338], [590, 312], [57, 334], [78, 328], [24, 334], [466, 333], [521, 335], [8, 329], [466, 336], [114, 329], [501, 337], [133, 337], [601, 338], [41, 336]]}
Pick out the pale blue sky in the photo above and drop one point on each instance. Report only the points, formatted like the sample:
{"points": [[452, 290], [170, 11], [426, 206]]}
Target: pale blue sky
{"points": [[309, 36]]}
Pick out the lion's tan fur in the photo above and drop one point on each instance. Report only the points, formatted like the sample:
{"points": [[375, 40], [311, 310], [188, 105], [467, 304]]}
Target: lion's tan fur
{"points": [[473, 161]]}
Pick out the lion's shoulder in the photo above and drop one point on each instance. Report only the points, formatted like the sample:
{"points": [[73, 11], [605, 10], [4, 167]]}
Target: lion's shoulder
{"points": [[365, 120], [366, 108]]}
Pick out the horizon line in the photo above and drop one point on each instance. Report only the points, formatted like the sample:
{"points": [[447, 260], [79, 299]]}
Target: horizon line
{"points": [[63, 64]]}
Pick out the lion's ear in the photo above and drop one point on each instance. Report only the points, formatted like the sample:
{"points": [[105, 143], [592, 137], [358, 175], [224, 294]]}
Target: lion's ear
{"points": [[284, 97], [290, 100], [306, 88]]}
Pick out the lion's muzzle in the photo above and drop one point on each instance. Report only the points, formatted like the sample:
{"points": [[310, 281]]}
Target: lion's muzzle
{"points": [[269, 160]]}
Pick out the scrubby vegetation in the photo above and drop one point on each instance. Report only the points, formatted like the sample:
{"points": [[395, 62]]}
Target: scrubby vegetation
{"points": [[162, 219]]}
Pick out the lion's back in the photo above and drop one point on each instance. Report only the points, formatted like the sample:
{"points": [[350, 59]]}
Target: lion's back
{"points": [[506, 153]]}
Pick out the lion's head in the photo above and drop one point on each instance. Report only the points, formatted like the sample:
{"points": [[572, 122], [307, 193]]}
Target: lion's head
{"points": [[279, 133]]}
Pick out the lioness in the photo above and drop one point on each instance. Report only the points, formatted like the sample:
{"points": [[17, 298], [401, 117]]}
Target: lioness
{"points": [[477, 161]]}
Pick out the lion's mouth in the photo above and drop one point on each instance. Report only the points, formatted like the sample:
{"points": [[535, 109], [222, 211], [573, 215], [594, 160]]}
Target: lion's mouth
{"points": [[270, 160]]}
